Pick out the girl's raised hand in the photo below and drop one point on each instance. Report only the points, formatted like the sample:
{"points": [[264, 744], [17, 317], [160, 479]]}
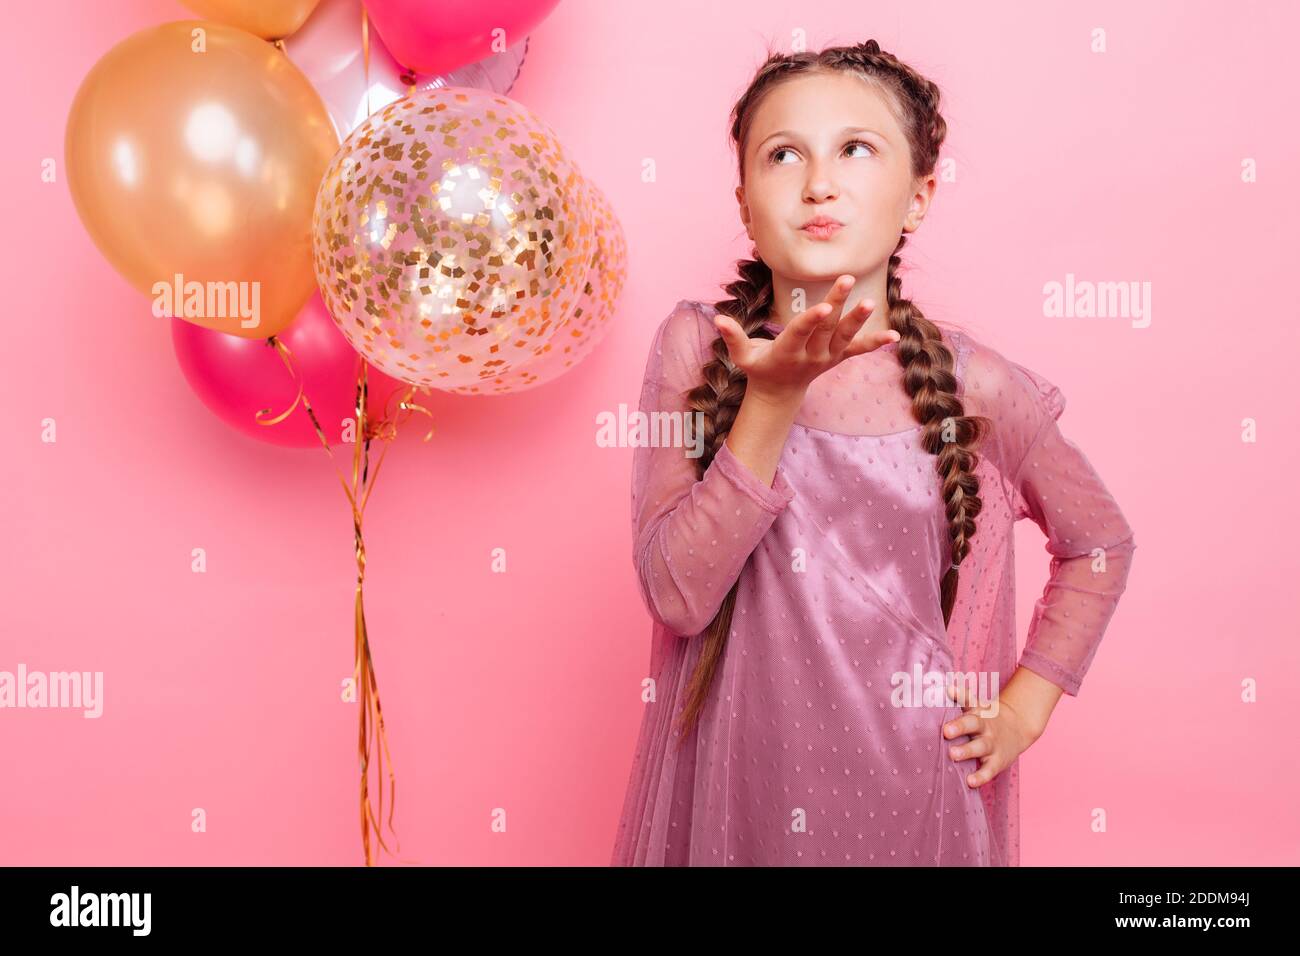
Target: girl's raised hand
{"points": [[812, 342]]}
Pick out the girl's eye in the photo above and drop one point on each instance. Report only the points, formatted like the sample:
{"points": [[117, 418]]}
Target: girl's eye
{"points": [[772, 153]]}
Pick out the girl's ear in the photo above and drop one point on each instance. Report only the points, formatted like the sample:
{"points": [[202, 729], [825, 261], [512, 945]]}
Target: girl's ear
{"points": [[924, 192], [744, 211]]}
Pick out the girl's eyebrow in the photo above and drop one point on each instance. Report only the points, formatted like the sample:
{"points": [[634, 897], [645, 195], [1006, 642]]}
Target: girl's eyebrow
{"points": [[844, 132]]}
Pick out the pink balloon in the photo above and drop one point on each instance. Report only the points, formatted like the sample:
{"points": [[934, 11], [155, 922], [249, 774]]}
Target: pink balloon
{"points": [[236, 377], [437, 36], [329, 52]]}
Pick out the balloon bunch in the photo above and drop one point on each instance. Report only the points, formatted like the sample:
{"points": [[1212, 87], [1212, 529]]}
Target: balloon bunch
{"points": [[448, 242]]}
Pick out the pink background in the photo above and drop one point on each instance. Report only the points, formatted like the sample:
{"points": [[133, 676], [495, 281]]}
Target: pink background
{"points": [[521, 690]]}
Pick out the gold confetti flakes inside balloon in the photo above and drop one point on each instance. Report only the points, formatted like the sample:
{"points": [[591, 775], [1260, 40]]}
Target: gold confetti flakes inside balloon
{"points": [[586, 325], [452, 238]]}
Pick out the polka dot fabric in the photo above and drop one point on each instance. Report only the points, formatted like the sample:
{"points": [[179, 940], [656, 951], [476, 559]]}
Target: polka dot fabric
{"points": [[806, 752]]}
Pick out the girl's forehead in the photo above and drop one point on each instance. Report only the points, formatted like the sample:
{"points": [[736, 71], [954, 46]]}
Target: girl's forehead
{"points": [[813, 106]]}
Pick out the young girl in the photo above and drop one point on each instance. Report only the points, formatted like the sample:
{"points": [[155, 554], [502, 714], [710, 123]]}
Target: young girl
{"points": [[840, 541]]}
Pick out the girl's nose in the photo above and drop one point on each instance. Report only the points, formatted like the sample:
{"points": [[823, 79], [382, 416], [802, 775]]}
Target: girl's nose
{"points": [[818, 187]]}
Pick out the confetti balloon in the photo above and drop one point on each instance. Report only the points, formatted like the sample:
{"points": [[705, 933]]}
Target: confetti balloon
{"points": [[590, 319], [452, 236]]}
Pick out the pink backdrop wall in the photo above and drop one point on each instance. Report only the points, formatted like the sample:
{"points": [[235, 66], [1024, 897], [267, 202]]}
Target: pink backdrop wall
{"points": [[521, 690]]}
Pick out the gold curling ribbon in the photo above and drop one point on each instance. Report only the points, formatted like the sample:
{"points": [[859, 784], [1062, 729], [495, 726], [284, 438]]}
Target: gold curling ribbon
{"points": [[284, 352], [363, 482], [407, 77], [358, 494], [365, 53]]}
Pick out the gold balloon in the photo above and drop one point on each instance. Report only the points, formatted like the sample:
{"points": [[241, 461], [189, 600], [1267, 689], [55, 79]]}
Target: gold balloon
{"points": [[194, 151], [269, 19]]}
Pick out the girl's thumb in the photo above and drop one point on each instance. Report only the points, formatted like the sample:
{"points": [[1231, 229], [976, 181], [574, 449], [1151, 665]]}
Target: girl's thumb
{"points": [[731, 334], [726, 327]]}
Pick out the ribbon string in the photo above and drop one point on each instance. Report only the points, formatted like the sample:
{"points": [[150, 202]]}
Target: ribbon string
{"points": [[358, 494]]}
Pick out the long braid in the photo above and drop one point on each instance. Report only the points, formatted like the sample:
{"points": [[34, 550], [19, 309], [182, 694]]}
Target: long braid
{"points": [[719, 399], [948, 433], [926, 360]]}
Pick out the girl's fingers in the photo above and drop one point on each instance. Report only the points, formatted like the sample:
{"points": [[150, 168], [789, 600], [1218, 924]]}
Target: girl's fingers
{"points": [[849, 325], [967, 723], [738, 344], [865, 342], [840, 290], [820, 338], [966, 700], [987, 771], [979, 746], [958, 690], [805, 324], [810, 320]]}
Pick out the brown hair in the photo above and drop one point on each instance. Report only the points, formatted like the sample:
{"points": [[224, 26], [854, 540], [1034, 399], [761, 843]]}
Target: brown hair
{"points": [[926, 359]]}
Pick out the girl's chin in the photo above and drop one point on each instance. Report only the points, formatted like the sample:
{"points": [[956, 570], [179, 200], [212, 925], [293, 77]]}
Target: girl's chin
{"points": [[827, 265], [822, 269]]}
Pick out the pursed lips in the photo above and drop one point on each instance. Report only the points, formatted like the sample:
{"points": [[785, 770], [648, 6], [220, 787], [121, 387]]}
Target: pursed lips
{"points": [[822, 229]]}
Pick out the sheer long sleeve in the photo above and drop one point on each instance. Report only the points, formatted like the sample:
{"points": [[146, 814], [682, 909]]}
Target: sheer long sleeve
{"points": [[1053, 483], [691, 535]]}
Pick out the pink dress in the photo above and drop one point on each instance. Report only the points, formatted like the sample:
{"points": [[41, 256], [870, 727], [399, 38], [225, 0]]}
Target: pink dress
{"points": [[807, 752]]}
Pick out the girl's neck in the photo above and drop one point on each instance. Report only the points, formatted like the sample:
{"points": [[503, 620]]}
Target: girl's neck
{"points": [[873, 286]]}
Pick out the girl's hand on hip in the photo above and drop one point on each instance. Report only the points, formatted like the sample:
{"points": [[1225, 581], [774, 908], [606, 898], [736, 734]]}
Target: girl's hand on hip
{"points": [[999, 734]]}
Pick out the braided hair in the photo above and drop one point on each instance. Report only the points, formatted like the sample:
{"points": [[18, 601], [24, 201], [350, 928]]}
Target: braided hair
{"points": [[925, 357]]}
